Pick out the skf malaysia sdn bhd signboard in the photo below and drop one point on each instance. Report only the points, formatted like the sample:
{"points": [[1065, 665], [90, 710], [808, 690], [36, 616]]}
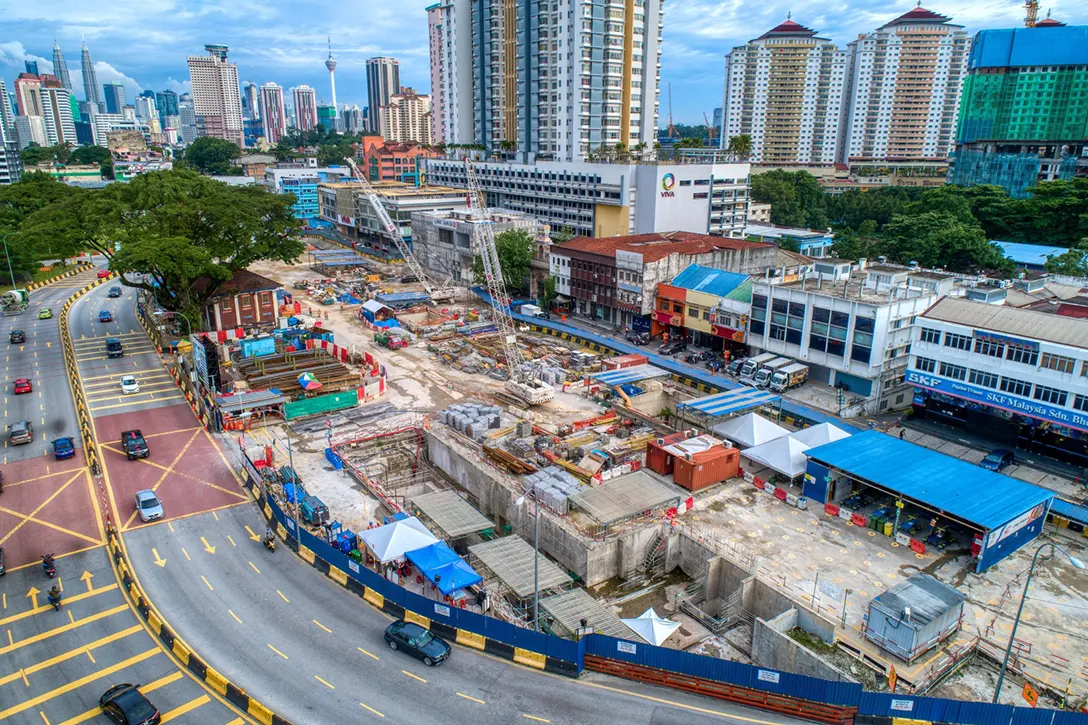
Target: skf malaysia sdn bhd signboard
{"points": [[998, 399]]}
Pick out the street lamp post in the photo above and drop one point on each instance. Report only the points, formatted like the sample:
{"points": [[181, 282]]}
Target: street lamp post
{"points": [[536, 555], [1023, 597], [291, 463], [10, 271]]}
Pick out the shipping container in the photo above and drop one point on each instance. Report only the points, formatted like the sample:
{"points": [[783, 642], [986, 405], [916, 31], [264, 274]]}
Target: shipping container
{"points": [[700, 470], [624, 361], [657, 458]]}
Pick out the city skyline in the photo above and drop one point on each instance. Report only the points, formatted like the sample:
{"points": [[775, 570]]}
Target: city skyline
{"points": [[132, 46]]}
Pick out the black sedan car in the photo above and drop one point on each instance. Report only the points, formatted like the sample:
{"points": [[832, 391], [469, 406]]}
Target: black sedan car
{"points": [[16, 336], [417, 641], [114, 292], [998, 459], [126, 705]]}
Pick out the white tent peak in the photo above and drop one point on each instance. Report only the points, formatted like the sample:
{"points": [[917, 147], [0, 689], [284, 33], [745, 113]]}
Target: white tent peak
{"points": [[651, 627], [750, 430], [392, 541]]}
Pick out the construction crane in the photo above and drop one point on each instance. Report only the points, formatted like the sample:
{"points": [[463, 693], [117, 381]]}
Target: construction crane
{"points": [[711, 130], [1032, 12], [438, 291], [525, 385]]}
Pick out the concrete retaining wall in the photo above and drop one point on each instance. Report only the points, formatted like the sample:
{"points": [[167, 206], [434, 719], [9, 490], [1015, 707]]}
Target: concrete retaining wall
{"points": [[772, 647]]}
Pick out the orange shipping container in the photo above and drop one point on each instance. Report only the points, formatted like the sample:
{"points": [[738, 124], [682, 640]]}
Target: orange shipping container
{"points": [[700, 470], [657, 458], [624, 361]]}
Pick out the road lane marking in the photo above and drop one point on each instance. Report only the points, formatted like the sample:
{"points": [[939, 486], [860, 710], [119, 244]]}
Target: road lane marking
{"points": [[368, 654], [44, 718], [414, 677], [283, 597], [183, 551], [44, 607], [27, 517], [233, 544], [145, 689], [534, 717], [254, 567], [469, 697], [368, 707], [680, 705], [215, 515], [281, 654], [76, 684], [319, 624], [183, 709], [326, 684], [235, 616], [206, 582]]}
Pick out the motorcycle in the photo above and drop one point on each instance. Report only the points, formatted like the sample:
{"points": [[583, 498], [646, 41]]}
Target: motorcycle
{"points": [[48, 566], [54, 599], [1, 481], [270, 543]]}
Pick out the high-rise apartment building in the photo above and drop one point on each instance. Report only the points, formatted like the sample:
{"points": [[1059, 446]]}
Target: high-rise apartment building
{"points": [[114, 94], [56, 103], [903, 85], [273, 113], [304, 99], [438, 48], [60, 68], [552, 80], [7, 115], [166, 103], [11, 166], [785, 90], [90, 81], [28, 95], [145, 107], [407, 117], [217, 98], [251, 104], [351, 119], [326, 118], [187, 128], [382, 81], [1024, 112]]}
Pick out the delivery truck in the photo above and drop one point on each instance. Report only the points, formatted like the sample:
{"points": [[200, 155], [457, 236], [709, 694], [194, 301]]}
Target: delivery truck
{"points": [[765, 373], [789, 377], [753, 364]]}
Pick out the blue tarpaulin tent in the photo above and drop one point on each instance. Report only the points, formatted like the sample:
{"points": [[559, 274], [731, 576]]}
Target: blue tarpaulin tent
{"points": [[439, 561]]}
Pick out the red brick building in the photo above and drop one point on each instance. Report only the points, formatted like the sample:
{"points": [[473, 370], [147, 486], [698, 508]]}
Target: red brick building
{"points": [[247, 300], [392, 160]]}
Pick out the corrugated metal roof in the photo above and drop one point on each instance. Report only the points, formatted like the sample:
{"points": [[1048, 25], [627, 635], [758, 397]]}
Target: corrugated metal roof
{"points": [[1019, 47], [718, 282], [1069, 510], [629, 375], [1019, 322], [732, 401], [1034, 254], [928, 598], [962, 489]]}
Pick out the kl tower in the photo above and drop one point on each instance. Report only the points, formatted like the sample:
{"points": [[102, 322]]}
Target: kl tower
{"points": [[331, 65]]}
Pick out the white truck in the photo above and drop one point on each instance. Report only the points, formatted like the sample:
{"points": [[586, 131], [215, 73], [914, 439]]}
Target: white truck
{"points": [[753, 364], [765, 373], [789, 377]]}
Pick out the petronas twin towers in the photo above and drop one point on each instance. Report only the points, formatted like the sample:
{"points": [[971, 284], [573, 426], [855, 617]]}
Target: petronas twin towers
{"points": [[90, 77]]}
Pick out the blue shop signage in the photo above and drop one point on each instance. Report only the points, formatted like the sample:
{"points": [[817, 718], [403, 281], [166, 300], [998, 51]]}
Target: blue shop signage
{"points": [[998, 399]]}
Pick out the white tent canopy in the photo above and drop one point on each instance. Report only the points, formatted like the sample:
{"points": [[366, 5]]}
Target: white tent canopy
{"points": [[392, 541], [820, 434], [651, 627], [749, 430], [785, 455]]}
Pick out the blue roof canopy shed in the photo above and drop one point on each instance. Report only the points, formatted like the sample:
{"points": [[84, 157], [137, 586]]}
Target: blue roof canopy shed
{"points": [[1032, 256], [440, 562], [1007, 512], [630, 375], [731, 402], [712, 281]]}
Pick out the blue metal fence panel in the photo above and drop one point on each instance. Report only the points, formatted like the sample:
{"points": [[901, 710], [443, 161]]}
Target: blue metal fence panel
{"points": [[500, 630], [1068, 718], [1033, 716], [471, 621], [564, 649], [530, 640]]}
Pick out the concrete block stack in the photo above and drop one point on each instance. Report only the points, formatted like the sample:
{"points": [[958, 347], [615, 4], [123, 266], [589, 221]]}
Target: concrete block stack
{"points": [[472, 419], [553, 486]]}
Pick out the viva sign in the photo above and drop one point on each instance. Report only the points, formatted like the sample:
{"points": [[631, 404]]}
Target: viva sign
{"points": [[667, 182], [997, 399]]}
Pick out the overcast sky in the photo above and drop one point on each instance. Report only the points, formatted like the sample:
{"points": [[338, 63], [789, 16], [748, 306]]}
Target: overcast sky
{"points": [[143, 43]]}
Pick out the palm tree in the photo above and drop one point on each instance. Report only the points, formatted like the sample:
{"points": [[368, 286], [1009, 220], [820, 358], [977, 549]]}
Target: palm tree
{"points": [[740, 145]]}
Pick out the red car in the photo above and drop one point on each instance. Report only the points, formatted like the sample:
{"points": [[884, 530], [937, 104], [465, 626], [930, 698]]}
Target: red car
{"points": [[103, 273], [22, 385]]}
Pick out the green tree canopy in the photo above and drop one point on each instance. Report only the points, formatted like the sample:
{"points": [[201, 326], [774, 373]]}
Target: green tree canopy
{"points": [[34, 154], [210, 155], [1073, 263], [941, 239], [516, 248], [796, 198], [740, 145]]}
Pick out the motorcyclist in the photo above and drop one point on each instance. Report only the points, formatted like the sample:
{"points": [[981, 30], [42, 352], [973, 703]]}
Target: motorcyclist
{"points": [[269, 538], [54, 595], [47, 562]]}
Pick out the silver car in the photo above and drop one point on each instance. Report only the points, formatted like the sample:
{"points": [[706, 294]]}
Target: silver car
{"points": [[148, 505]]}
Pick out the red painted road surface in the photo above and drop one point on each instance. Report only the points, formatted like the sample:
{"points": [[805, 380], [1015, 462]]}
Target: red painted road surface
{"points": [[47, 507], [184, 467]]}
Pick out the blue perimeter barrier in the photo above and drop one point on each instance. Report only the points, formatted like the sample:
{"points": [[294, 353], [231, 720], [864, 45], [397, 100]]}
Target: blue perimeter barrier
{"points": [[708, 382], [567, 657]]}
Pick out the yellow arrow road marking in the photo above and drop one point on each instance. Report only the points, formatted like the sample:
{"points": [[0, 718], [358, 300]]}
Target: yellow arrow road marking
{"points": [[207, 547], [161, 562], [86, 578]]}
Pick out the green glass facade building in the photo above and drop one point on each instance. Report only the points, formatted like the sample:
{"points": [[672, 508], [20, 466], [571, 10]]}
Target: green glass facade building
{"points": [[1024, 108]]}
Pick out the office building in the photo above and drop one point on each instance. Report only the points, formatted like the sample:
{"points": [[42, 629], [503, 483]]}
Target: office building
{"points": [[166, 103], [615, 279], [304, 99], [30, 129], [330, 63], [326, 118], [60, 127], [28, 95], [384, 160], [446, 242], [853, 328], [145, 107], [11, 165], [903, 85], [251, 104], [217, 98], [703, 193], [785, 90], [439, 48], [114, 95], [382, 81], [60, 68], [31, 67], [407, 117], [352, 120], [7, 114], [1015, 376], [303, 183], [103, 124], [187, 129], [90, 82], [273, 113], [510, 80], [1024, 113]]}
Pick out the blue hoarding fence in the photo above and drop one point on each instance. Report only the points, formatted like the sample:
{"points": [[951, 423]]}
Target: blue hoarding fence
{"points": [[837, 703]]}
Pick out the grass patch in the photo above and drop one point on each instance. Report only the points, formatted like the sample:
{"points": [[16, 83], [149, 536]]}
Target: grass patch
{"points": [[38, 276], [810, 641]]}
